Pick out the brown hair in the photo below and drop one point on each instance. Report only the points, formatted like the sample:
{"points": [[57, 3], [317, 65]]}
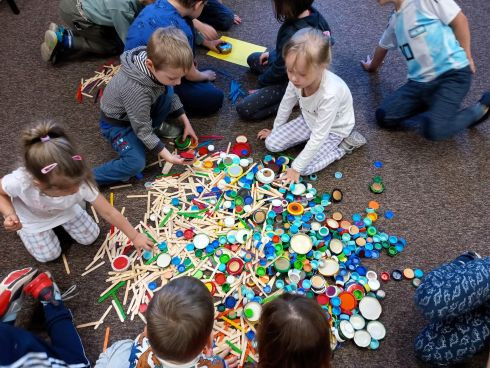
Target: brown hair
{"points": [[293, 332], [290, 9], [180, 319], [46, 143], [169, 47], [190, 3], [310, 43]]}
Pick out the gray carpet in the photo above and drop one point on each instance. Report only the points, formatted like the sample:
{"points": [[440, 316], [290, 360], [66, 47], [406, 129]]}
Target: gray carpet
{"points": [[438, 191]]}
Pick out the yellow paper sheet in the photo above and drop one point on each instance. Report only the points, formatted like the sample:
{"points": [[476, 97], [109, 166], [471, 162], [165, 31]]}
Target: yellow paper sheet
{"points": [[239, 52]]}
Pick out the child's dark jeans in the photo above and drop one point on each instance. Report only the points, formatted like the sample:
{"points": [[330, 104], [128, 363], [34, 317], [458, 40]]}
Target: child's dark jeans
{"points": [[434, 104], [66, 347]]}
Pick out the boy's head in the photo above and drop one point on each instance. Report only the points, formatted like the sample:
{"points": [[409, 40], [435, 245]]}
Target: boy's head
{"points": [[293, 332], [180, 320], [290, 9], [306, 55], [193, 8], [169, 55]]}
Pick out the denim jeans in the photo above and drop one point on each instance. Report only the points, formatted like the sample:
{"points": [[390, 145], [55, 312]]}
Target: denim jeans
{"points": [[132, 152], [434, 104], [65, 346], [217, 15], [199, 98], [456, 299]]}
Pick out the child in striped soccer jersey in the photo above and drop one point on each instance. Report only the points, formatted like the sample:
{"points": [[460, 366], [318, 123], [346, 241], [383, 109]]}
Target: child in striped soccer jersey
{"points": [[434, 38]]}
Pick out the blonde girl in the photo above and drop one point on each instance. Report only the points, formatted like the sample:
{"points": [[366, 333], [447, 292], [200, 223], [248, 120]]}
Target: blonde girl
{"points": [[327, 119], [47, 191]]}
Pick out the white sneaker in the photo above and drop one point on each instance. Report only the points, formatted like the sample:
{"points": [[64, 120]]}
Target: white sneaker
{"points": [[353, 141]]}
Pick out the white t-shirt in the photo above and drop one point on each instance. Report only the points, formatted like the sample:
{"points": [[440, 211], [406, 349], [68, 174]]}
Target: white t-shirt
{"points": [[420, 29], [38, 212], [328, 110]]}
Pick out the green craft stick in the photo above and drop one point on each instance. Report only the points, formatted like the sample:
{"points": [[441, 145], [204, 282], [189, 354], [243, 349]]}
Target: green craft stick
{"points": [[236, 349], [111, 292], [219, 202], [166, 218], [149, 236], [243, 222], [201, 174], [119, 306], [152, 259]]}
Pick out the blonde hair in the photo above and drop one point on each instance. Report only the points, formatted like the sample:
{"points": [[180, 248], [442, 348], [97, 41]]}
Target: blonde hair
{"points": [[45, 144], [312, 44], [169, 48]]}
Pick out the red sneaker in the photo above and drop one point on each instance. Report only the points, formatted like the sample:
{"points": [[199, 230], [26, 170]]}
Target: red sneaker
{"points": [[11, 287], [43, 288]]}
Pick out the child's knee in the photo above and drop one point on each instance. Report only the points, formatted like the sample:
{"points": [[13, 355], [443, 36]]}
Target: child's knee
{"points": [[432, 130], [90, 237], [134, 164], [271, 146], [43, 258], [212, 101], [244, 110], [225, 22]]}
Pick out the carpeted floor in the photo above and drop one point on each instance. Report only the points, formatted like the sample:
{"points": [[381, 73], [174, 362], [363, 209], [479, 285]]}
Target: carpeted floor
{"points": [[438, 191]]}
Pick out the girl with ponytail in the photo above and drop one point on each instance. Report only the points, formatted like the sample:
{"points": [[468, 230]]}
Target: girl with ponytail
{"points": [[47, 191]]}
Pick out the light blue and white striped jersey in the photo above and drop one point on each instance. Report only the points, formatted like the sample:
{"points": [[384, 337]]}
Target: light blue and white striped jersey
{"points": [[420, 29]]}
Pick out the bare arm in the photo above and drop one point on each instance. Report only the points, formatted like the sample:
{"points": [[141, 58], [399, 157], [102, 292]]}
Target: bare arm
{"points": [[372, 64], [114, 217], [461, 30], [11, 221]]}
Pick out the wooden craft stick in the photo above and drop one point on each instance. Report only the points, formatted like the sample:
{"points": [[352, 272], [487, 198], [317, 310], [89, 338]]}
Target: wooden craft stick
{"points": [[106, 338], [65, 262]]}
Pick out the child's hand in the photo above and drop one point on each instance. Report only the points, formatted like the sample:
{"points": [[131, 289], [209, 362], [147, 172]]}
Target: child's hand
{"points": [[141, 241], [209, 75], [472, 66], [291, 176], [252, 91], [213, 45], [237, 19], [264, 58], [264, 133], [366, 64], [189, 131], [174, 159], [12, 222]]}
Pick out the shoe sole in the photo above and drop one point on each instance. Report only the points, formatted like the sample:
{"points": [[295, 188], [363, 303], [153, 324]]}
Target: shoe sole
{"points": [[11, 287], [49, 45]]}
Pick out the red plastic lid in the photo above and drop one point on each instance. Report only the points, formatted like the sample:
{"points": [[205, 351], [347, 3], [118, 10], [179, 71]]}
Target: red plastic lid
{"points": [[143, 308], [322, 299], [120, 262], [203, 151], [188, 234], [385, 276], [220, 278]]}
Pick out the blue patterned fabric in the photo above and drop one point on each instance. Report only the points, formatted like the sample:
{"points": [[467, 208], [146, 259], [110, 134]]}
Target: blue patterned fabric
{"points": [[456, 298]]}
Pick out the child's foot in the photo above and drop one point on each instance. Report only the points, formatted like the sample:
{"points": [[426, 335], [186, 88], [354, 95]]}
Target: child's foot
{"points": [[169, 131], [56, 39], [467, 257], [485, 102], [44, 289], [11, 292], [353, 141]]}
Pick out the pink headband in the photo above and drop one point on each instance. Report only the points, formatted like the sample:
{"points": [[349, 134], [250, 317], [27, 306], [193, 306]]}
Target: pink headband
{"points": [[46, 169]]}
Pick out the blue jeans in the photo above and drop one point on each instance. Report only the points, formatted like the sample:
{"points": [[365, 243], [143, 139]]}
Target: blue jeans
{"points": [[434, 104], [16, 343], [456, 299], [132, 152], [217, 15], [199, 98]]}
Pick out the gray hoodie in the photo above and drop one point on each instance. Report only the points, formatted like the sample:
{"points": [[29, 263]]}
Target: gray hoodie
{"points": [[128, 98]]}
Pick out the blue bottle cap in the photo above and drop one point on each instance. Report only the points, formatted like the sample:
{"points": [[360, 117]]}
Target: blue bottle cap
{"points": [[378, 164], [152, 285], [389, 215], [418, 273], [338, 175]]}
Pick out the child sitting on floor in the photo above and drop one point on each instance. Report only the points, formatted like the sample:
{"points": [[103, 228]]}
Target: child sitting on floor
{"points": [[47, 191], [180, 319], [94, 26], [434, 38], [273, 79], [21, 348], [198, 95], [327, 113], [455, 298], [138, 100], [293, 332]]}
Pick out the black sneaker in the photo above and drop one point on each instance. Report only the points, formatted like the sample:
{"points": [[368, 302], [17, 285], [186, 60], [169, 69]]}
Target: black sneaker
{"points": [[485, 101], [467, 257]]}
